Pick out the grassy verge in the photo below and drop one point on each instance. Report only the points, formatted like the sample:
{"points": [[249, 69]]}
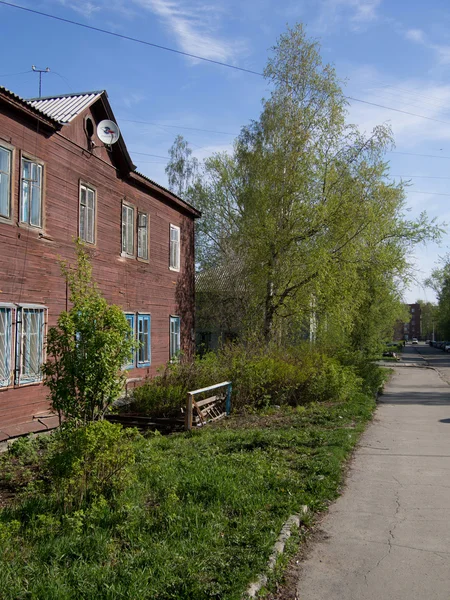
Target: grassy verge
{"points": [[198, 519]]}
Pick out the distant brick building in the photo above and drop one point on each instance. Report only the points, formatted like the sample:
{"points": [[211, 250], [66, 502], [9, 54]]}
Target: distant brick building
{"points": [[412, 328]]}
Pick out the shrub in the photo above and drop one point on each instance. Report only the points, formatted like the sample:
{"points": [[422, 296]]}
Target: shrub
{"points": [[261, 377], [90, 462]]}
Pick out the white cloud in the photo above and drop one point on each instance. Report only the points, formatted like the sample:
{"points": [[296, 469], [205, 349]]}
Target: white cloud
{"points": [[415, 35], [83, 7], [195, 27], [441, 51], [355, 13]]}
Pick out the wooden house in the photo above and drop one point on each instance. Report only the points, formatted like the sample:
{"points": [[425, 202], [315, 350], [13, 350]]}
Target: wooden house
{"points": [[59, 182]]}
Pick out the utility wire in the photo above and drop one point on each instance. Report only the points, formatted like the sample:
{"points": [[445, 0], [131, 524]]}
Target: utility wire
{"points": [[197, 57], [179, 127], [14, 74], [146, 154], [416, 154], [127, 37]]}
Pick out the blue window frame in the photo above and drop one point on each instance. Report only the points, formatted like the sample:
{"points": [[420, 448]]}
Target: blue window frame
{"points": [[130, 317], [174, 337], [29, 344], [144, 339], [5, 345]]}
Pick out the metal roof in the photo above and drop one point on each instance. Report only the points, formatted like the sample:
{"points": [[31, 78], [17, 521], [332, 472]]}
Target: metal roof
{"points": [[64, 108]]}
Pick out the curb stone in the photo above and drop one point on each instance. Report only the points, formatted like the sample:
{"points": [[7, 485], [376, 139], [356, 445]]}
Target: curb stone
{"points": [[285, 534]]}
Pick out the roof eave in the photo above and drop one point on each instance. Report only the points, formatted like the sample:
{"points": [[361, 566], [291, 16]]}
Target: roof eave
{"points": [[155, 187], [21, 105]]}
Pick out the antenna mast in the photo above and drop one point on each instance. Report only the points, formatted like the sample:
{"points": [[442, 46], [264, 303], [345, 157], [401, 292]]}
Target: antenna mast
{"points": [[40, 71]]}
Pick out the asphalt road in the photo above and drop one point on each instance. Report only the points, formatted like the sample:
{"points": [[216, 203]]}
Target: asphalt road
{"points": [[388, 535]]}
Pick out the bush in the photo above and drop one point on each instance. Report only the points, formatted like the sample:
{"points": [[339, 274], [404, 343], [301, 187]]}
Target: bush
{"points": [[261, 377], [91, 462]]}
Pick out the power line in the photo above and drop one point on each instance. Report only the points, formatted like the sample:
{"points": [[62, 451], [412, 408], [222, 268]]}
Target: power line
{"points": [[147, 154], [405, 112], [179, 127], [202, 58], [14, 74], [127, 37], [420, 192], [417, 177], [416, 154]]}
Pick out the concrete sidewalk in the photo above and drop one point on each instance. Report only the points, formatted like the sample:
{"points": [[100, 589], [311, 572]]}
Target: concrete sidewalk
{"points": [[388, 535]]}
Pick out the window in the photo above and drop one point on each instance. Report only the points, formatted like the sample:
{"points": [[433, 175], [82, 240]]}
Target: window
{"points": [[174, 337], [31, 197], [29, 344], [5, 345], [174, 261], [87, 214], [127, 229], [142, 224], [5, 182], [131, 322], [144, 337]]}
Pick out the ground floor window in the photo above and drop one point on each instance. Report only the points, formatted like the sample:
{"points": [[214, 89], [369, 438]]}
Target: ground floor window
{"points": [[140, 325], [6, 314], [29, 344], [175, 346]]}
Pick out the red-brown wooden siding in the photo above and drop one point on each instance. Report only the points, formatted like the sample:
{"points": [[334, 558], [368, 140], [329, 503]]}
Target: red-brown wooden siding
{"points": [[29, 269]]}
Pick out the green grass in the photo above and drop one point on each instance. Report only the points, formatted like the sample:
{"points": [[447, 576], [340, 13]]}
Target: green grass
{"points": [[198, 521]]}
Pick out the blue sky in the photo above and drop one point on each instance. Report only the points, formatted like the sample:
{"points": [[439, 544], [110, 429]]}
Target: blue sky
{"points": [[395, 54]]}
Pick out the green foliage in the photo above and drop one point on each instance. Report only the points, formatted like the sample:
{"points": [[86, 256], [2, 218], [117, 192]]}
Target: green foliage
{"points": [[261, 376], [87, 349], [303, 213], [91, 462], [181, 170], [199, 519]]}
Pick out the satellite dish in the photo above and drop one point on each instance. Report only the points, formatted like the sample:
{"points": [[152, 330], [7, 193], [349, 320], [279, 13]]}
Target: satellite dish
{"points": [[108, 132]]}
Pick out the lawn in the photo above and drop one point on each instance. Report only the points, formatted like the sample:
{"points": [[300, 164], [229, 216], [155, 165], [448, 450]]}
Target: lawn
{"points": [[197, 519]]}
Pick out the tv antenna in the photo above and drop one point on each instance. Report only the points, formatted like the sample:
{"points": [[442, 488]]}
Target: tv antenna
{"points": [[40, 71]]}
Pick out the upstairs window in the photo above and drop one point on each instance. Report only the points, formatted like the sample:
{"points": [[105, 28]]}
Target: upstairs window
{"points": [[174, 260], [127, 229], [144, 339], [87, 214], [31, 193], [142, 231], [5, 345], [5, 182], [29, 344], [174, 344]]}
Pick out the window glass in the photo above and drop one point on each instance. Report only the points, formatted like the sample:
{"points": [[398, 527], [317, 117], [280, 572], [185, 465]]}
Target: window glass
{"points": [[128, 229], [144, 340], [143, 236], [5, 182], [5, 346], [31, 193], [174, 261], [87, 214], [30, 344], [174, 337], [131, 322]]}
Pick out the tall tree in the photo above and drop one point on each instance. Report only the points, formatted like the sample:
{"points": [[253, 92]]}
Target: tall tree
{"points": [[304, 202], [182, 167]]}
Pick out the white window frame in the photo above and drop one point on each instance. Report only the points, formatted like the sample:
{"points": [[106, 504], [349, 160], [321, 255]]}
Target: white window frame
{"points": [[128, 229], [7, 315], [22, 377], [142, 244], [174, 248], [9, 176], [83, 219], [26, 218], [174, 338]]}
